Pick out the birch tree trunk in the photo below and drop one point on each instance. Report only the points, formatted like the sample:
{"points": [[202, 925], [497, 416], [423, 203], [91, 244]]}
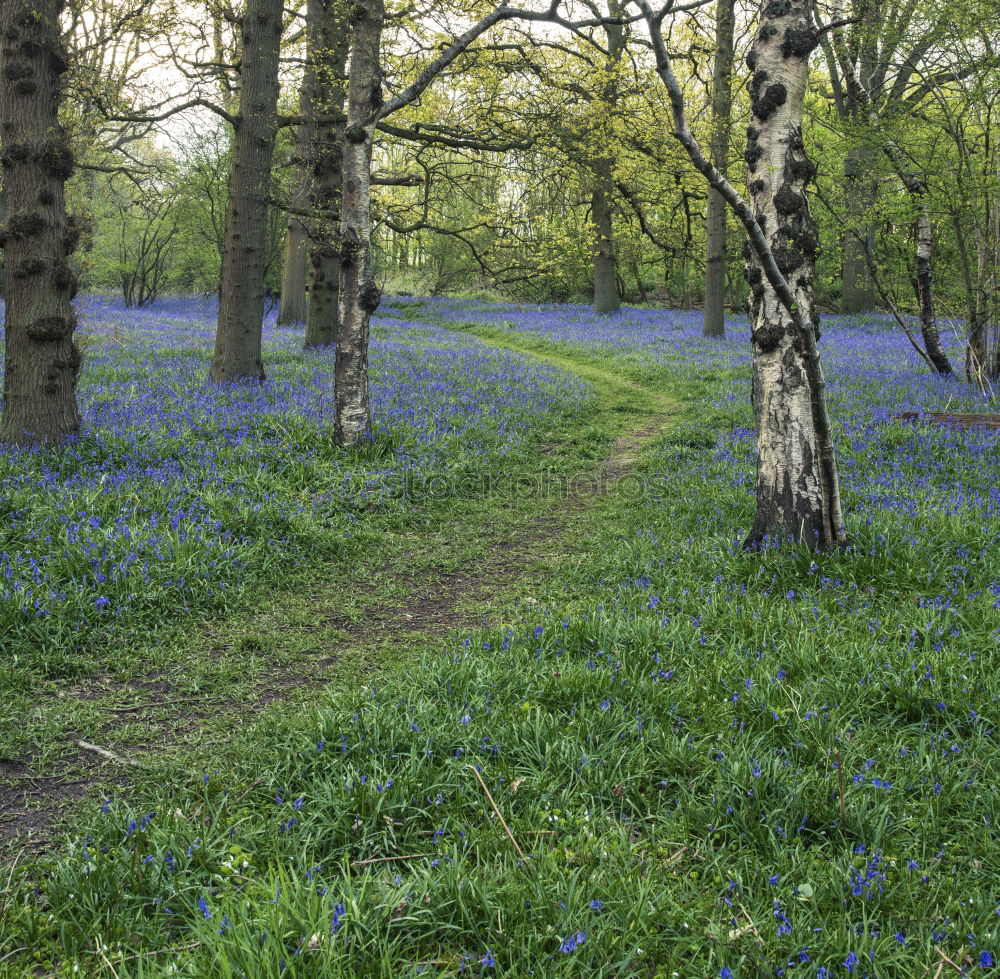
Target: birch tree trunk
{"points": [[293, 275], [241, 293], [722, 108], [798, 495], [41, 360], [331, 33], [360, 296], [925, 290]]}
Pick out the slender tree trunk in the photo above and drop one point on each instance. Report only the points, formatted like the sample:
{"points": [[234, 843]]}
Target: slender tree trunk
{"points": [[360, 296], [293, 275], [722, 107], [329, 28], [798, 495], [858, 293], [605, 278], [925, 292], [241, 294], [41, 359]]}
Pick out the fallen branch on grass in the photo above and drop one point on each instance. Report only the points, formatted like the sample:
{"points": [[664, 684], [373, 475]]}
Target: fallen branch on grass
{"points": [[951, 419], [496, 809], [110, 755]]}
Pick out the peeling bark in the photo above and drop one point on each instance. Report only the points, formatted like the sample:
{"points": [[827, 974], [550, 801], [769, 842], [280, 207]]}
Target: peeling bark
{"points": [[797, 487], [41, 359], [715, 227], [360, 296], [330, 42], [241, 293]]}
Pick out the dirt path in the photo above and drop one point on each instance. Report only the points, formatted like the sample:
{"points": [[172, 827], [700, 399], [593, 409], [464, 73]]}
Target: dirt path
{"points": [[457, 596]]}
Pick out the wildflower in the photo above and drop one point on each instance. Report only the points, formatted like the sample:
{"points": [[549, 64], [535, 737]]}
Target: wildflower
{"points": [[488, 960], [985, 959], [571, 943], [595, 905], [203, 908]]}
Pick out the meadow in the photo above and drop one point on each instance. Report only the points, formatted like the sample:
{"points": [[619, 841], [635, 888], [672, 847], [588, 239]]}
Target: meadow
{"points": [[670, 758]]}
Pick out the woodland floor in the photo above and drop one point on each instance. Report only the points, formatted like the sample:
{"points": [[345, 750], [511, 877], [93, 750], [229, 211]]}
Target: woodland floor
{"points": [[328, 626]]}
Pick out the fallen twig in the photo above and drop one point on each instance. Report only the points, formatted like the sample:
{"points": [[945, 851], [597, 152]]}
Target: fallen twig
{"points": [[104, 753], [945, 958], [496, 809]]}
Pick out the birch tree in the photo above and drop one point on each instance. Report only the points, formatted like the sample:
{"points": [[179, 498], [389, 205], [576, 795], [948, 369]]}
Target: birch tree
{"points": [[797, 488]]}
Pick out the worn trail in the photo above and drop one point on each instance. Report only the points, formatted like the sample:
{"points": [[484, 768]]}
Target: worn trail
{"points": [[329, 628]]}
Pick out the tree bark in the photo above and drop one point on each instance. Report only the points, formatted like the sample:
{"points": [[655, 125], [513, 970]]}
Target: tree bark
{"points": [[331, 36], [241, 293], [606, 298], [798, 494], [41, 359], [925, 292], [722, 107], [858, 294], [606, 294], [360, 296]]}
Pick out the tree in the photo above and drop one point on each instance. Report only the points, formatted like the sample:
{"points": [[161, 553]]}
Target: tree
{"points": [[41, 361], [715, 224], [329, 41], [293, 275], [798, 489], [241, 293], [360, 294]]}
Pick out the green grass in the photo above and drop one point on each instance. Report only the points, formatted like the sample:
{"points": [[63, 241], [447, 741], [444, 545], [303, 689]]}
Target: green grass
{"points": [[711, 760]]}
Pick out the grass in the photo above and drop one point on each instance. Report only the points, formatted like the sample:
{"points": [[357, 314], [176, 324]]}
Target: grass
{"points": [[713, 763]]}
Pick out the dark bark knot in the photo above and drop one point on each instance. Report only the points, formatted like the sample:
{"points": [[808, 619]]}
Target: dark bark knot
{"points": [[788, 201], [773, 98], [16, 153], [355, 134], [799, 42], [56, 159], [779, 8], [51, 329], [768, 336], [370, 297], [22, 226], [17, 70]]}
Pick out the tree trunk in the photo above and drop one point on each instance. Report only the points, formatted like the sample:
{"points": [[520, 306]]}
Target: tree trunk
{"points": [[360, 296], [798, 495], [241, 293], [331, 40], [858, 293], [605, 278], [722, 106], [925, 292], [41, 360]]}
